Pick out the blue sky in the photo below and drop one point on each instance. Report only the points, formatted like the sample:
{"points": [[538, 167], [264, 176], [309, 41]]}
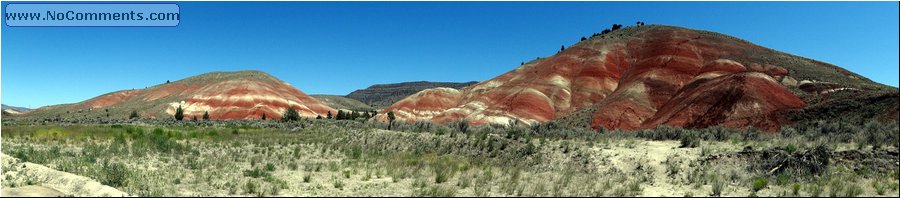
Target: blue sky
{"points": [[338, 47]]}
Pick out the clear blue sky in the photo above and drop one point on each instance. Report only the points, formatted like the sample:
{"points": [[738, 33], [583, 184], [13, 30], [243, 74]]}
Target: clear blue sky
{"points": [[338, 47]]}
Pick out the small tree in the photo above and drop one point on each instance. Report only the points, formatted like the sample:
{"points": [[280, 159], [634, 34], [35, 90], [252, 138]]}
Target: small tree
{"points": [[206, 115], [264, 116], [134, 114], [195, 118], [329, 115], [290, 114], [179, 113], [605, 31], [582, 38], [562, 48], [318, 117], [616, 27], [390, 119]]}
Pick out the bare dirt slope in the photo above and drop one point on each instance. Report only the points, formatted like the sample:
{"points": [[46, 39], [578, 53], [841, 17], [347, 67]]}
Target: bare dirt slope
{"points": [[29, 179]]}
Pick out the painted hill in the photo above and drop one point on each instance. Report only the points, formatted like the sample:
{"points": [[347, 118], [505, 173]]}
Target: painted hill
{"points": [[225, 95], [645, 76], [383, 95]]}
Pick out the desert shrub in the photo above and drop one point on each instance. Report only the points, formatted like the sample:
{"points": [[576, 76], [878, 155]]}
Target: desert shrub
{"points": [[790, 148], [782, 179], [338, 184], [814, 189], [435, 191], [853, 190], [635, 187], [346, 173], [114, 174], [291, 114], [877, 134], [759, 184], [461, 126], [878, 186], [717, 186], [270, 167], [810, 162], [835, 188], [250, 187], [256, 173], [510, 185], [690, 140], [307, 178], [133, 115], [464, 181], [443, 169]]}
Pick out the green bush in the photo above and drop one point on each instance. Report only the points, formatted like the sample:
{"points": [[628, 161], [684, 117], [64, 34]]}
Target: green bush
{"points": [[115, 174], [442, 172], [290, 114], [270, 167], [790, 148], [814, 190], [346, 173], [435, 191], [690, 140], [250, 187], [256, 173], [853, 190], [782, 179], [717, 187], [338, 184], [878, 186], [759, 184]]}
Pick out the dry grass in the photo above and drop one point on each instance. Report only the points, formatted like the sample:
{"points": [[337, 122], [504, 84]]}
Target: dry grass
{"points": [[327, 158]]}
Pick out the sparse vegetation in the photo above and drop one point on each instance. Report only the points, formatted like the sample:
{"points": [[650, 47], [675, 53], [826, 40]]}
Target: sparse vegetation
{"points": [[453, 159]]}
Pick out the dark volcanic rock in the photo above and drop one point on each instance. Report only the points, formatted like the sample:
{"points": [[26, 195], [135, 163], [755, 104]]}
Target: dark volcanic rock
{"points": [[382, 95]]}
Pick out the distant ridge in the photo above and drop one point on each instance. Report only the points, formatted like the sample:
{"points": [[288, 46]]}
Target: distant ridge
{"points": [[381, 95]]}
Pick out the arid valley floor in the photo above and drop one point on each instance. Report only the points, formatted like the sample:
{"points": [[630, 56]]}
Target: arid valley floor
{"points": [[360, 158]]}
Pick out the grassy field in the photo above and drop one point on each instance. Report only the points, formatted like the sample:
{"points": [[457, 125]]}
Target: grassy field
{"points": [[353, 158]]}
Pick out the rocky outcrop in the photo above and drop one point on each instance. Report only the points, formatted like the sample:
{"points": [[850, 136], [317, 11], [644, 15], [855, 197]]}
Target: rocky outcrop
{"points": [[383, 95]]}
